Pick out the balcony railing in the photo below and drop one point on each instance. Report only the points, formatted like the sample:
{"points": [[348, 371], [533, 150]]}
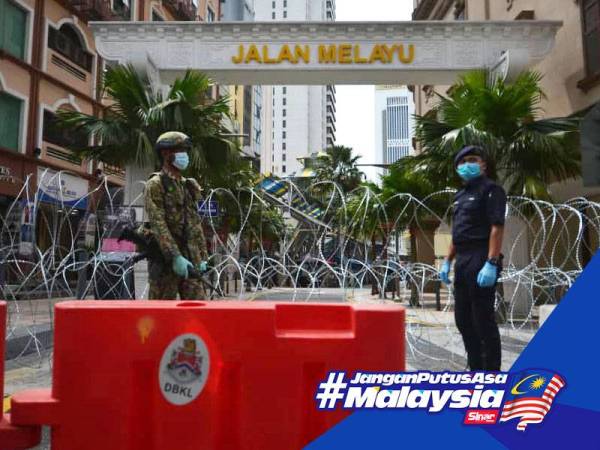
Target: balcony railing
{"points": [[93, 9], [181, 9], [331, 123]]}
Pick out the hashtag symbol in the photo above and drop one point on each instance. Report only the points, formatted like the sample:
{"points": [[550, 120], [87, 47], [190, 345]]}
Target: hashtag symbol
{"points": [[331, 390]]}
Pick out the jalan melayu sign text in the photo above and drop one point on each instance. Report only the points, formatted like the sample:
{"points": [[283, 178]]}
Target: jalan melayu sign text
{"points": [[325, 54]]}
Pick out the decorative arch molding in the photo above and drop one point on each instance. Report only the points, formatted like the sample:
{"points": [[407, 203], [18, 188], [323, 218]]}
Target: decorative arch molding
{"points": [[70, 100], [74, 22]]}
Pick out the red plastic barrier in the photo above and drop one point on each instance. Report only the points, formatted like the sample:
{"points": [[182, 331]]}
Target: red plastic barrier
{"points": [[12, 437], [193, 375]]}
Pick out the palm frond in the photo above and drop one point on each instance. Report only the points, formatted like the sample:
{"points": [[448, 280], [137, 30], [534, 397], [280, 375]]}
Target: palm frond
{"points": [[503, 118]]}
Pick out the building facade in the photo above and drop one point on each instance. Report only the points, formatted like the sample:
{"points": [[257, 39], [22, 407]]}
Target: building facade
{"points": [[394, 110], [300, 120], [571, 72], [48, 62]]}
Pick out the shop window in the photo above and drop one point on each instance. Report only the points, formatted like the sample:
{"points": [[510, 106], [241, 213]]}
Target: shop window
{"points": [[13, 28], [10, 121], [591, 35], [67, 42], [60, 136], [156, 17]]}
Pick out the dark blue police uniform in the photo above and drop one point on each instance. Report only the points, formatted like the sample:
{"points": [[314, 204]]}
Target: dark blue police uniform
{"points": [[478, 206]]}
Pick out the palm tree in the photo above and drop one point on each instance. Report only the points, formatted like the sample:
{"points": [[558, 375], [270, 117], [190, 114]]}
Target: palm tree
{"points": [[416, 199], [338, 164], [529, 152], [138, 113]]}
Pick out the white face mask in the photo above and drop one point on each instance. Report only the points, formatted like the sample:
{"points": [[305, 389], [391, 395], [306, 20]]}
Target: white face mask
{"points": [[181, 161]]}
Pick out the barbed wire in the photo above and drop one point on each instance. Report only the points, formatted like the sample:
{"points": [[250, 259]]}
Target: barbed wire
{"points": [[356, 245]]}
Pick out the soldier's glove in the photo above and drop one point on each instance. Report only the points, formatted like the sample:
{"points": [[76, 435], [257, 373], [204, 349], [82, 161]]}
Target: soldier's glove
{"points": [[181, 266], [487, 275], [203, 266], [445, 271]]}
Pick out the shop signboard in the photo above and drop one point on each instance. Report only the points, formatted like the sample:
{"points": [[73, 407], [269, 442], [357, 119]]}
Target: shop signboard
{"points": [[62, 188], [208, 208]]}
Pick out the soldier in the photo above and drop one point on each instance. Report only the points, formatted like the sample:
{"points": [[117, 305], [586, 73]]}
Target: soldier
{"points": [[171, 207]]}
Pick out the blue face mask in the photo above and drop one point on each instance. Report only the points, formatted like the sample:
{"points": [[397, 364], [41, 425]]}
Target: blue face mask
{"points": [[469, 171], [181, 161]]}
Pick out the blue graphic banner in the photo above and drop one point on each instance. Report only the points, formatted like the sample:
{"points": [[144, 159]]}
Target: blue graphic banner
{"points": [[565, 345]]}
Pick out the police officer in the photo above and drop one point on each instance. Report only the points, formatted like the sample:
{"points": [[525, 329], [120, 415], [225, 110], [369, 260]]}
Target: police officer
{"points": [[171, 207], [477, 232]]}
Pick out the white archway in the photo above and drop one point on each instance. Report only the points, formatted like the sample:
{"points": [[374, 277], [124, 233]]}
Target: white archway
{"points": [[320, 53], [268, 53]]}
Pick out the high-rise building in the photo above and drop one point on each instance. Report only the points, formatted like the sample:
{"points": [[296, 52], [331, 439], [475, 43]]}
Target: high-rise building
{"points": [[246, 101], [299, 120], [394, 110]]}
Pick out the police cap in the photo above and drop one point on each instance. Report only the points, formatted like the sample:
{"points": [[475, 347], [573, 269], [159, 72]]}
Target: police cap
{"points": [[470, 150]]}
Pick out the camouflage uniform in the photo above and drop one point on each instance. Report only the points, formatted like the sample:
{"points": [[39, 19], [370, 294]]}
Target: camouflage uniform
{"points": [[167, 212]]}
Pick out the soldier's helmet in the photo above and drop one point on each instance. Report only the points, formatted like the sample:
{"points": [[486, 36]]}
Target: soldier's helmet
{"points": [[173, 140]]}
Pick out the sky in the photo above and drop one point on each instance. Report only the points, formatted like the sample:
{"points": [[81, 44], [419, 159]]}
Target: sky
{"points": [[355, 105]]}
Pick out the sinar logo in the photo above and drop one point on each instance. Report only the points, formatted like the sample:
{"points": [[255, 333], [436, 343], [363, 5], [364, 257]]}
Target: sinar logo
{"points": [[184, 369]]}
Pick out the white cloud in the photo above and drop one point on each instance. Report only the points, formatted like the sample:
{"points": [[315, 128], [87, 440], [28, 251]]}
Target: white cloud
{"points": [[355, 120]]}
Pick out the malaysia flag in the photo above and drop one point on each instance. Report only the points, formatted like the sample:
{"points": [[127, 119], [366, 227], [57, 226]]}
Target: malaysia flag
{"points": [[531, 397]]}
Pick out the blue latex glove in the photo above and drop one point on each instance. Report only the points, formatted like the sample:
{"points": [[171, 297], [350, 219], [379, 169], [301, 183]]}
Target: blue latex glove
{"points": [[487, 275], [444, 272], [181, 266], [203, 266]]}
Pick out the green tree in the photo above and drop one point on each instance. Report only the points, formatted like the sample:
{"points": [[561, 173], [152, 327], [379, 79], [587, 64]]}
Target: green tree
{"points": [[416, 200], [338, 164], [529, 153], [137, 114]]}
